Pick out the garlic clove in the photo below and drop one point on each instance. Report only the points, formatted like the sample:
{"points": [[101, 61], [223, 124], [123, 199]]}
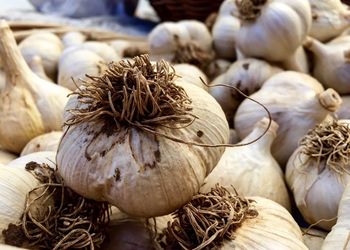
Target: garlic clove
{"points": [[29, 105], [44, 142], [73, 38]]}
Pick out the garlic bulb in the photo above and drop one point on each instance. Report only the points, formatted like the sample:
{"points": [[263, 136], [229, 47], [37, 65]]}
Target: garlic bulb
{"points": [[332, 63], [224, 221], [272, 29], [29, 105], [329, 19], [338, 238], [297, 62], [224, 33], [129, 49], [313, 238], [248, 75], [251, 169], [295, 116], [73, 38], [186, 41], [217, 67], [318, 171], [344, 110], [36, 65], [46, 45], [47, 157], [44, 142], [102, 49], [126, 159], [6, 157], [75, 64], [191, 74]]}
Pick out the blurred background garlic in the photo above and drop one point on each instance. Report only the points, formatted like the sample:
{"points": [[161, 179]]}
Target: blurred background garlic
{"points": [[36, 65], [44, 142], [73, 38]]}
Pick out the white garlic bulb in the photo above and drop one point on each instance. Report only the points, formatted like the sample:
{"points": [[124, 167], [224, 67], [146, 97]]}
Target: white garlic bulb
{"points": [[190, 74], [44, 142], [75, 64], [102, 49], [47, 157], [29, 105], [73, 38], [344, 110], [329, 19], [295, 116], [272, 29], [248, 75], [217, 67], [251, 169], [332, 63], [318, 171], [46, 45]]}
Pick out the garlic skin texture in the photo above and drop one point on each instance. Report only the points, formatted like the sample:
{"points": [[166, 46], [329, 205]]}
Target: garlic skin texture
{"points": [[248, 75], [296, 101], [129, 166], [29, 105], [313, 238], [47, 157], [44, 142], [332, 63], [6, 157], [344, 110], [46, 45], [75, 63], [73, 38], [338, 237], [317, 189], [329, 19], [15, 184], [276, 31], [190, 74], [251, 169]]}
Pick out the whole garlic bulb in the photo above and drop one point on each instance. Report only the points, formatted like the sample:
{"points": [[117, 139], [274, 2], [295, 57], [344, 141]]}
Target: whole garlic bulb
{"points": [[251, 169], [73, 38], [338, 237], [29, 105], [217, 67], [272, 29], [46, 45], [344, 110], [318, 172], [44, 142], [75, 64], [296, 101], [329, 19], [191, 74], [6, 157], [102, 49], [248, 75], [130, 160], [332, 63]]}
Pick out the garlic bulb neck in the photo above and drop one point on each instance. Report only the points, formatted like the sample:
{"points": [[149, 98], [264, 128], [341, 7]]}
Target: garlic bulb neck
{"points": [[250, 9], [315, 46], [330, 100], [36, 65]]}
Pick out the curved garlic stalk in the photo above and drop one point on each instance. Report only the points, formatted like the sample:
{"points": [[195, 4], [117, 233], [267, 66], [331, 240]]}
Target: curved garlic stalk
{"points": [[73, 38], [190, 74], [29, 105], [278, 95], [318, 171], [36, 65], [44, 142], [75, 64], [344, 110], [338, 238], [248, 75], [251, 169], [329, 19], [46, 45], [313, 238], [6, 157], [332, 63]]}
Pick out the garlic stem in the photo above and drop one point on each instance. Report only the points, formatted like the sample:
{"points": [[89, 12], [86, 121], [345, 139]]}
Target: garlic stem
{"points": [[330, 100], [15, 67], [250, 9], [315, 46], [37, 67]]}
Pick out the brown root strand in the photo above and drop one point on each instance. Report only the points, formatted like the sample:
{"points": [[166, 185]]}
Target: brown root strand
{"points": [[249, 10], [329, 142], [70, 222], [133, 91], [208, 219]]}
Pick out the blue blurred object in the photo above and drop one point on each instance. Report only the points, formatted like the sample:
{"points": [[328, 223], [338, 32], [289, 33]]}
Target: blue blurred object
{"points": [[85, 8]]}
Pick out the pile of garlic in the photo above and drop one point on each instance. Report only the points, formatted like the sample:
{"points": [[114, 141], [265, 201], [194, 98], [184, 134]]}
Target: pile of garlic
{"points": [[233, 136]]}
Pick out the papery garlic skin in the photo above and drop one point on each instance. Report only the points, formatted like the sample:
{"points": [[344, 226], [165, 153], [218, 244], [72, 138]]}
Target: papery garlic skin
{"points": [[332, 63], [313, 238], [296, 101], [338, 237], [317, 189], [133, 161], [190, 74], [46, 45], [46, 157], [44, 142], [279, 28], [75, 64], [330, 19]]}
